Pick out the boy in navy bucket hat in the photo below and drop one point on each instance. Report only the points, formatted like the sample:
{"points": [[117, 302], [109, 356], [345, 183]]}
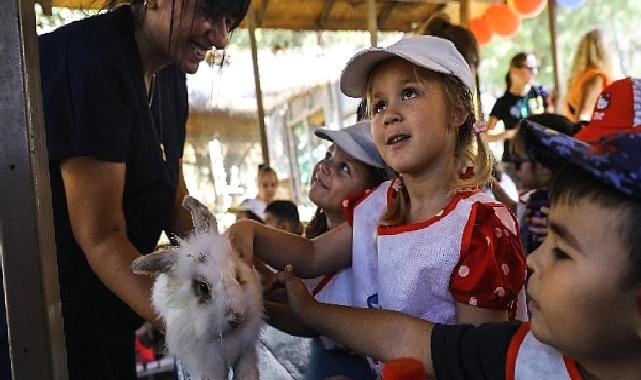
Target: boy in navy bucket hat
{"points": [[585, 279]]}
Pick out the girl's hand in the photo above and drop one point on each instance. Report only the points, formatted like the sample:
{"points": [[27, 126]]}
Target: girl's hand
{"points": [[241, 236], [300, 301]]}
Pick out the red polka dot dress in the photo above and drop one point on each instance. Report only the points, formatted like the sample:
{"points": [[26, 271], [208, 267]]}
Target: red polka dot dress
{"points": [[468, 253]]}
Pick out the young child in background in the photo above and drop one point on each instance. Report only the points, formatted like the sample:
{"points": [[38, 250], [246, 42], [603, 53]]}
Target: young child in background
{"points": [[351, 166], [283, 215], [535, 178], [254, 209], [428, 243], [585, 282]]}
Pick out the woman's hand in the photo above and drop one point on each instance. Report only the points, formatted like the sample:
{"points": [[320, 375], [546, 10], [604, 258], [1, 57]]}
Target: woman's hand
{"points": [[268, 278], [241, 236], [301, 302]]}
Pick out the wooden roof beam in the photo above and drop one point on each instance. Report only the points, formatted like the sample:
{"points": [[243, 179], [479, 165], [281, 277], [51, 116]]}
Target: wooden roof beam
{"points": [[388, 7], [261, 13], [324, 16]]}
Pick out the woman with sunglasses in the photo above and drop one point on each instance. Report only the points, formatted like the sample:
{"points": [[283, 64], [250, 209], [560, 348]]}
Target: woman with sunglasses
{"points": [[115, 107], [522, 98]]}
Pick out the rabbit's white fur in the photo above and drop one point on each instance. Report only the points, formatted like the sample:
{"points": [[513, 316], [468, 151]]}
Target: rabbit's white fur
{"points": [[211, 303]]}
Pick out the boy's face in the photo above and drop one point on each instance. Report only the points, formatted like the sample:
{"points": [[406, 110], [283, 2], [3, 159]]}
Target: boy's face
{"points": [[577, 300]]}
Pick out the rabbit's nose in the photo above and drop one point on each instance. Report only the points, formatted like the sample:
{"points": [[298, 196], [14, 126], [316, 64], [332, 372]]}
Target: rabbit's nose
{"points": [[235, 319]]}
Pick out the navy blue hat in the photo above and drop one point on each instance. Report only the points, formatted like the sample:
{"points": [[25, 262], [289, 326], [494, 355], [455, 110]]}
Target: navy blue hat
{"points": [[610, 151]]}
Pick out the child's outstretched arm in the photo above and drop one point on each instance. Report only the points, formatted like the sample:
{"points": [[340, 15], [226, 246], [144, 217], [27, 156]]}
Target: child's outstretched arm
{"points": [[280, 316], [466, 314], [381, 334], [311, 258]]}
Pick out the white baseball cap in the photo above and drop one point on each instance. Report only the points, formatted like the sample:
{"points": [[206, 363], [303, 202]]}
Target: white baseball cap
{"points": [[432, 53], [355, 140]]}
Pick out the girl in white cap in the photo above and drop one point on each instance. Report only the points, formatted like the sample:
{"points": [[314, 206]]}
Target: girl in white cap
{"points": [[350, 168], [429, 243]]}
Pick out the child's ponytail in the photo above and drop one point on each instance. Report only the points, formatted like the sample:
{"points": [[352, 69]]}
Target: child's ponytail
{"points": [[472, 155], [398, 207]]}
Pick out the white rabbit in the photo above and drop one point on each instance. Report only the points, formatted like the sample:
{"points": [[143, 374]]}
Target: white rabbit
{"points": [[210, 300]]}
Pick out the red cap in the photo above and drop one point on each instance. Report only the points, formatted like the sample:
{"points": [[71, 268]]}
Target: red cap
{"points": [[404, 369], [617, 110]]}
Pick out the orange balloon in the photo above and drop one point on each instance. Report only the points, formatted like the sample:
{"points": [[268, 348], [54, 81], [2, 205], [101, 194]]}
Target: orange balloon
{"points": [[527, 8], [502, 20], [481, 31]]}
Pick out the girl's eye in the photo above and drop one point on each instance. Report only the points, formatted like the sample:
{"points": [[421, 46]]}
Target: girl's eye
{"points": [[379, 107], [344, 168], [409, 93], [559, 254]]}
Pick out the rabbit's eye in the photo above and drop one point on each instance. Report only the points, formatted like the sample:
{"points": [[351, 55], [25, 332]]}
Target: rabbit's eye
{"points": [[201, 289], [240, 279]]}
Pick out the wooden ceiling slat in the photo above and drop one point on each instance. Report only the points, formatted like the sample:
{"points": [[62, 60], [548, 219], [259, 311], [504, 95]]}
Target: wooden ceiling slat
{"points": [[384, 14], [394, 15], [327, 9], [261, 13]]}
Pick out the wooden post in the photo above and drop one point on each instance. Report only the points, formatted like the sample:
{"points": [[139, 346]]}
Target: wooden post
{"points": [[251, 22], [27, 247], [464, 12], [559, 92], [372, 23]]}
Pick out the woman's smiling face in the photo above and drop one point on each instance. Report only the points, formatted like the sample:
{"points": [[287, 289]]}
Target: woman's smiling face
{"points": [[183, 31]]}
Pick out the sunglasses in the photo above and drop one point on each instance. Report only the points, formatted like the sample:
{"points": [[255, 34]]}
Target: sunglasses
{"points": [[532, 69]]}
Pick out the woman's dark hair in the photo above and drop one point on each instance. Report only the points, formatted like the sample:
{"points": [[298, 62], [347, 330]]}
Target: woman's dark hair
{"points": [[461, 37], [571, 185], [517, 61], [235, 10]]}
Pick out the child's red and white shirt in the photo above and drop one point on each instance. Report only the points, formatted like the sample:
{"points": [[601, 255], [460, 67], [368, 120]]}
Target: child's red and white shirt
{"points": [[468, 253]]}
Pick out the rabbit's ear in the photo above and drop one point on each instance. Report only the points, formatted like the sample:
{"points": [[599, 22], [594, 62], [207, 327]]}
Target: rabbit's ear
{"points": [[200, 215], [161, 261]]}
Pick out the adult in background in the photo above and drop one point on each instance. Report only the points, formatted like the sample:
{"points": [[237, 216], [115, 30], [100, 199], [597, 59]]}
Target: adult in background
{"points": [[522, 98], [591, 71], [115, 106]]}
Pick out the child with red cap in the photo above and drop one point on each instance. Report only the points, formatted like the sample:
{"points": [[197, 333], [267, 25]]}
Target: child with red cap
{"points": [[585, 279]]}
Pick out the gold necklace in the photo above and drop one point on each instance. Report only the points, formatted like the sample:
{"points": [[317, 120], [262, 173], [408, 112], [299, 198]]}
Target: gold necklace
{"points": [[158, 132]]}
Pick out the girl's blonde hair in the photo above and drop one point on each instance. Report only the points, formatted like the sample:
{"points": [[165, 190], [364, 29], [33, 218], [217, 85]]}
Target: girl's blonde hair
{"points": [[471, 155], [591, 52]]}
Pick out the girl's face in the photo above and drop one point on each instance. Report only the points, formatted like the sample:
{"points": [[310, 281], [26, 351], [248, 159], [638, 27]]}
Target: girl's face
{"points": [[267, 186], [412, 126], [335, 178], [195, 31]]}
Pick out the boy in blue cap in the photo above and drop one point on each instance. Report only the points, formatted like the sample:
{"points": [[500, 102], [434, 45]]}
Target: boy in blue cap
{"points": [[585, 279]]}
